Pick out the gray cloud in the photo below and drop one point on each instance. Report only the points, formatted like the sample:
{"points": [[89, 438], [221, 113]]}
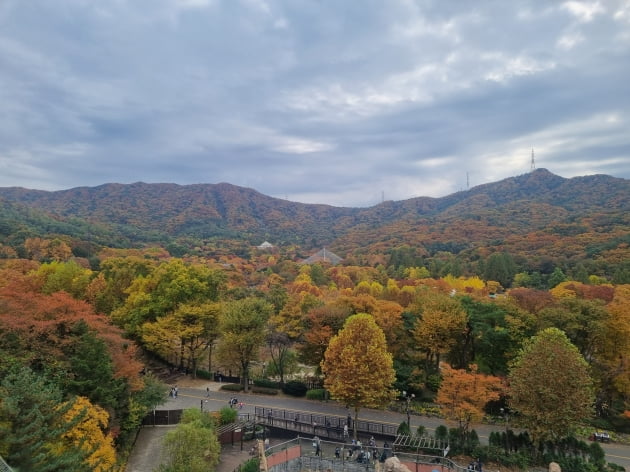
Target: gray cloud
{"points": [[315, 101]]}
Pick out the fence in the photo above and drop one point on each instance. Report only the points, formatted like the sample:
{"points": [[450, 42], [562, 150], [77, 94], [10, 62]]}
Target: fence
{"points": [[4, 467], [331, 427], [162, 418]]}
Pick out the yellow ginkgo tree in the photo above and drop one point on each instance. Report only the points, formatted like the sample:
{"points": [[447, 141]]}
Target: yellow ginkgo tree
{"points": [[90, 422], [357, 366]]}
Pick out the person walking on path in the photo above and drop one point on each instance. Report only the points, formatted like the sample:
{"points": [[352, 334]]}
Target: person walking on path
{"points": [[317, 444]]}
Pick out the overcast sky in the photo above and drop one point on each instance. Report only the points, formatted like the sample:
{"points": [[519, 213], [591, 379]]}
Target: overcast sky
{"points": [[343, 102]]}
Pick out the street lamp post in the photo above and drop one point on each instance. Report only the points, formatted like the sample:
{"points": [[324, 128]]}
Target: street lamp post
{"points": [[408, 397]]}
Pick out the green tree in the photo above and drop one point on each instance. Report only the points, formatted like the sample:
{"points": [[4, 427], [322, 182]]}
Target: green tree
{"points": [[66, 276], [184, 335], [501, 268], [169, 286], [92, 372], [117, 275], [357, 366], [243, 329], [556, 277], [141, 402], [32, 425], [193, 446], [486, 341], [550, 386], [279, 345]]}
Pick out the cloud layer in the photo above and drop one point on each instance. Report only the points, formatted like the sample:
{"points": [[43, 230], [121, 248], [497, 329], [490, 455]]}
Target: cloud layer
{"points": [[317, 101]]}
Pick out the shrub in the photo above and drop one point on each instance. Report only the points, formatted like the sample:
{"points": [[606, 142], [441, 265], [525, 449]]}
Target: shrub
{"points": [[403, 428], [612, 467], [252, 465], [204, 374], [266, 383], [316, 394], [232, 387], [295, 388], [441, 432], [265, 391], [227, 415]]}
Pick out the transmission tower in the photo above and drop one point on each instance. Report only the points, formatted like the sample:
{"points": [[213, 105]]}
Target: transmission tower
{"points": [[533, 161]]}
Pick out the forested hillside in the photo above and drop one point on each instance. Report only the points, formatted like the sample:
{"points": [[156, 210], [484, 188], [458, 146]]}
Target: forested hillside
{"points": [[541, 220]]}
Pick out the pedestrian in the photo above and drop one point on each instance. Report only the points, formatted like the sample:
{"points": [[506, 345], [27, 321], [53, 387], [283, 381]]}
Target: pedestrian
{"points": [[175, 391], [345, 431], [337, 452], [372, 444], [207, 391]]}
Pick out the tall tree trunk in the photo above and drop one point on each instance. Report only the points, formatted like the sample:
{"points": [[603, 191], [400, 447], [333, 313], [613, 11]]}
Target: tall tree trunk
{"points": [[181, 354], [193, 360], [245, 376]]}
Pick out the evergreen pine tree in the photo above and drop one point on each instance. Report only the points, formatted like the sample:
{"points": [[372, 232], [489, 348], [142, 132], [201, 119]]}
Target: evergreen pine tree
{"points": [[31, 426]]}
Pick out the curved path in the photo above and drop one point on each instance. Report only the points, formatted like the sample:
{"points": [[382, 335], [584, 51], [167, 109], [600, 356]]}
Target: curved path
{"points": [[193, 394]]}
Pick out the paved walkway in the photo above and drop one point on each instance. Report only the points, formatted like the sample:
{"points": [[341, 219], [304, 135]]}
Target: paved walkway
{"points": [[146, 453]]}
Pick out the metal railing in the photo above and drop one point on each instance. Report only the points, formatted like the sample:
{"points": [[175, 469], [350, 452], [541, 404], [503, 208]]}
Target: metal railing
{"points": [[4, 467], [328, 426]]}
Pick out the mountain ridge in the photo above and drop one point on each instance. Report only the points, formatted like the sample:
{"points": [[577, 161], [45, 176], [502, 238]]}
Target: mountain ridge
{"points": [[168, 211]]}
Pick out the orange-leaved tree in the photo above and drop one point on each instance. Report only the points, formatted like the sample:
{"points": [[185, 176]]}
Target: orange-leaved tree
{"points": [[463, 394], [357, 366]]}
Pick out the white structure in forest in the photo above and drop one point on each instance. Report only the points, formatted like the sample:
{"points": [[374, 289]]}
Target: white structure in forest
{"points": [[323, 256]]}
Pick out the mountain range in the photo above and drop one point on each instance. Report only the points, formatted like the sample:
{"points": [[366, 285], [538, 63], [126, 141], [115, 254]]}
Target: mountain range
{"points": [[525, 214]]}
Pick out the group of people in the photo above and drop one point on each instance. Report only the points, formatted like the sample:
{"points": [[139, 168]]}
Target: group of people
{"points": [[475, 465], [234, 403], [173, 393], [361, 454]]}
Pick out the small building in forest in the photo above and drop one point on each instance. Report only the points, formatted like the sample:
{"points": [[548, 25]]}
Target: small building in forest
{"points": [[323, 255], [265, 245]]}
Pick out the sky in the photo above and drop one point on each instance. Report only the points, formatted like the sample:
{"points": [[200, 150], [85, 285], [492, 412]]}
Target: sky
{"points": [[340, 102]]}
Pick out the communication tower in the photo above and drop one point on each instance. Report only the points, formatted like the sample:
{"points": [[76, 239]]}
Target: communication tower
{"points": [[533, 162]]}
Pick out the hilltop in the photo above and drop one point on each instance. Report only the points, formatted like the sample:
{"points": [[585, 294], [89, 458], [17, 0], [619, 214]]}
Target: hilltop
{"points": [[536, 215]]}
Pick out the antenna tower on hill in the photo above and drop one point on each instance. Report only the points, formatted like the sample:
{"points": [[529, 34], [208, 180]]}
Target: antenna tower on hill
{"points": [[533, 162]]}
